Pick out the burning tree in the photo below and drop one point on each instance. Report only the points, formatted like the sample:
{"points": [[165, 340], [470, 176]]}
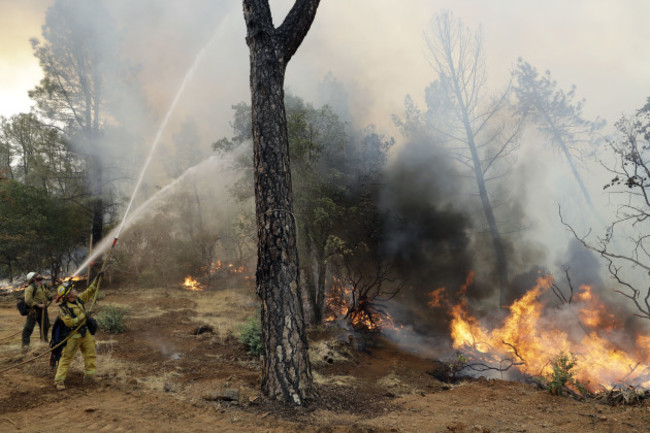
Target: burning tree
{"points": [[360, 288], [286, 373]]}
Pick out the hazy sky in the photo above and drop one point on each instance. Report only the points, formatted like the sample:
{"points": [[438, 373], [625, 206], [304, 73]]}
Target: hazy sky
{"points": [[376, 48], [19, 21]]}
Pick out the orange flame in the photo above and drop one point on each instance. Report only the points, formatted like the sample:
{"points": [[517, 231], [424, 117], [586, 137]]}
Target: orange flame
{"points": [[229, 268], [437, 297], [363, 316], [191, 284], [596, 316], [531, 337]]}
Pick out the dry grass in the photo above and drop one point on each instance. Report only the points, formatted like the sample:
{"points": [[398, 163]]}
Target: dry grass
{"points": [[325, 352], [338, 380], [107, 365], [224, 310], [160, 382], [391, 381]]}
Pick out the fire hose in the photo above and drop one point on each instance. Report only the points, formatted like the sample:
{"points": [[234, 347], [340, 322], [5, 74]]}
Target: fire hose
{"points": [[101, 271], [9, 336], [62, 342], [83, 322]]}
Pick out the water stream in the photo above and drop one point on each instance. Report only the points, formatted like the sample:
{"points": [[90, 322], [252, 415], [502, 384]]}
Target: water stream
{"points": [[140, 211], [111, 239]]}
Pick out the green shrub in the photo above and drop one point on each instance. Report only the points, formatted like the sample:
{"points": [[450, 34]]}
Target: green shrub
{"points": [[251, 335], [457, 366], [111, 319], [562, 373]]}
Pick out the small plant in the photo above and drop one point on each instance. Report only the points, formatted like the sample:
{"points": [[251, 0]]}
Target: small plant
{"points": [[456, 366], [111, 319], [562, 374], [251, 335]]}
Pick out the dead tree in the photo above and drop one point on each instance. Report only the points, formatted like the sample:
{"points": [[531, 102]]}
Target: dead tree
{"points": [[625, 245], [471, 126], [286, 372]]}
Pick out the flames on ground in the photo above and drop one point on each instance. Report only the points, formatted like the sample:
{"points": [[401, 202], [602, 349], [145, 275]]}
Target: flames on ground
{"points": [[215, 270], [359, 311], [191, 284], [228, 267], [532, 335], [528, 339]]}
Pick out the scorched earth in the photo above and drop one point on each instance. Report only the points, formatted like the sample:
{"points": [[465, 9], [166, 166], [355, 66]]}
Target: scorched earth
{"points": [[180, 368]]}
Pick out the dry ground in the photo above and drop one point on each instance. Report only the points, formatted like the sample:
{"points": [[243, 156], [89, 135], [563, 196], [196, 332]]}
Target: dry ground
{"points": [[163, 376]]}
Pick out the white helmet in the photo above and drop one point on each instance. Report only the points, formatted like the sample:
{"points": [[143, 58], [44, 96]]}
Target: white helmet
{"points": [[30, 275]]}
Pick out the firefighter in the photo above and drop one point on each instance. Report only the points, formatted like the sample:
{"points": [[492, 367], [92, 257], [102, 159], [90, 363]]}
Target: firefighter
{"points": [[37, 299], [73, 312]]}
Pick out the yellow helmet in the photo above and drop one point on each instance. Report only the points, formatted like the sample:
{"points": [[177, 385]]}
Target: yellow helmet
{"points": [[64, 289]]}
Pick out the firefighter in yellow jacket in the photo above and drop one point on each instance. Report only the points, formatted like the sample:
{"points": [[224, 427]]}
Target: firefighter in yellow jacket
{"points": [[73, 313], [37, 299]]}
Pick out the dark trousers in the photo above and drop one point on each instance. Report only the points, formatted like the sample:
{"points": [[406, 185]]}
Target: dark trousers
{"points": [[34, 317]]}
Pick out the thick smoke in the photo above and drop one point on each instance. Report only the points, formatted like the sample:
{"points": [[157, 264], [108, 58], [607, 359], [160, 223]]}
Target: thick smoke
{"points": [[431, 217]]}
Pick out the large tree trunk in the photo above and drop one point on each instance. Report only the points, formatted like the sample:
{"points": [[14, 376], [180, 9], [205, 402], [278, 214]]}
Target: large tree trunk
{"points": [[497, 243], [286, 373]]}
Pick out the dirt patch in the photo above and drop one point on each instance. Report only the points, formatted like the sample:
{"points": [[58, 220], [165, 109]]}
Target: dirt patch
{"points": [[163, 376]]}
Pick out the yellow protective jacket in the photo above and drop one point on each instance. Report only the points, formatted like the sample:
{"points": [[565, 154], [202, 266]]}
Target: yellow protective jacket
{"points": [[35, 295], [78, 309]]}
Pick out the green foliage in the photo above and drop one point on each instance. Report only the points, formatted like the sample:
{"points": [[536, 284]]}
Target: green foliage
{"points": [[111, 319], [250, 334], [42, 218], [36, 229], [562, 373], [337, 174], [457, 365]]}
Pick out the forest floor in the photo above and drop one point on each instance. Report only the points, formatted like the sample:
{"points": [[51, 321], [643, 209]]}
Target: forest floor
{"points": [[165, 374]]}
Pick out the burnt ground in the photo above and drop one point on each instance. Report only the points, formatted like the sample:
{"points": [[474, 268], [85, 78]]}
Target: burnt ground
{"points": [[179, 367]]}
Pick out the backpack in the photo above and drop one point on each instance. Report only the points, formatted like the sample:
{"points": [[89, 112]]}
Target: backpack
{"points": [[59, 333], [22, 307]]}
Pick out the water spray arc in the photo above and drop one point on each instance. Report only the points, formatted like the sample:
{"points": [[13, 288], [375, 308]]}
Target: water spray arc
{"points": [[103, 245]]}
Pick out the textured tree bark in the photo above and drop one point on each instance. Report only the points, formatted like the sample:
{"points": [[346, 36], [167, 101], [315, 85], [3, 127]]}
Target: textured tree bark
{"points": [[286, 372]]}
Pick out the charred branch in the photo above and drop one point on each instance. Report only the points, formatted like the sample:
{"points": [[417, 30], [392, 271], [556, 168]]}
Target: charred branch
{"points": [[559, 292], [629, 291]]}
